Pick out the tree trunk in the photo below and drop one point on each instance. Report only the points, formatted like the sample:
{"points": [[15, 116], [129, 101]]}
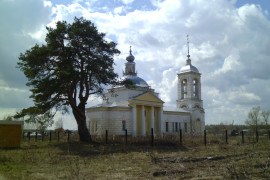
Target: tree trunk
{"points": [[80, 117]]}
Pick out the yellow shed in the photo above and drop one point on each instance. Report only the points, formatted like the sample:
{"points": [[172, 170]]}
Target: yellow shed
{"points": [[10, 134]]}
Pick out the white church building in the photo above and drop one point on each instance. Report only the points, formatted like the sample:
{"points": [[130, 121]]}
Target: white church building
{"points": [[138, 109]]}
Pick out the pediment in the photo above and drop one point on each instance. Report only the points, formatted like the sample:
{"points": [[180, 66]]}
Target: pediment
{"points": [[146, 98]]}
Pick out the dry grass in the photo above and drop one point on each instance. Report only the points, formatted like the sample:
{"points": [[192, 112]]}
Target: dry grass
{"points": [[166, 160]]}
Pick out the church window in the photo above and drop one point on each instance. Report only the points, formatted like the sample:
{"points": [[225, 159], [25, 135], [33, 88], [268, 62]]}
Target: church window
{"points": [[179, 125], [176, 126], [185, 127], [183, 89], [167, 126], [184, 106], [173, 127], [93, 126], [124, 125], [89, 125], [195, 88], [197, 106], [96, 126]]}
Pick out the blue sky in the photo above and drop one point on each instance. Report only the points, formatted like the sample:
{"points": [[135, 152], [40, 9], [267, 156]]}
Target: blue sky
{"points": [[229, 44]]}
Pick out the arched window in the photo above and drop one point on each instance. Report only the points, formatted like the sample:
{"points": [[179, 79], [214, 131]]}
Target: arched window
{"points": [[195, 88], [183, 89], [196, 106], [124, 125], [184, 106]]}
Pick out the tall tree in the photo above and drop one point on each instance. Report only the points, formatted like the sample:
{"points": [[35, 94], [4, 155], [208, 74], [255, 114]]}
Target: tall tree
{"points": [[75, 62], [254, 119]]}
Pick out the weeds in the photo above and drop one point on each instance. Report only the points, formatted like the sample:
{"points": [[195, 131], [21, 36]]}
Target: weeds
{"points": [[138, 160]]}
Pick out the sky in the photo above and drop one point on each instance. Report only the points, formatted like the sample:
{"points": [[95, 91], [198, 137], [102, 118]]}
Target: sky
{"points": [[229, 44]]}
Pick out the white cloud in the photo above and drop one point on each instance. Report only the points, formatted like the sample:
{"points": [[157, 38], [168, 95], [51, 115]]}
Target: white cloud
{"points": [[240, 96], [230, 63], [229, 46], [127, 1], [118, 10], [47, 3], [168, 85], [222, 46]]}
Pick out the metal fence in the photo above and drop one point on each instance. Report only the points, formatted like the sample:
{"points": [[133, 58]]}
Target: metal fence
{"points": [[167, 139]]}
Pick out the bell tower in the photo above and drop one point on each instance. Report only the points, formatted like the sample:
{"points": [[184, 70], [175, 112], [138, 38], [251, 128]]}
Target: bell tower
{"points": [[189, 93], [130, 65]]}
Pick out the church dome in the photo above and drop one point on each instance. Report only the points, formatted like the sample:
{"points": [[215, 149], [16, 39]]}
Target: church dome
{"points": [[189, 68], [130, 58], [137, 81]]}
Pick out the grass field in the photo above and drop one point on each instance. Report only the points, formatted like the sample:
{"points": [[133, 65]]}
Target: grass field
{"points": [[193, 160]]}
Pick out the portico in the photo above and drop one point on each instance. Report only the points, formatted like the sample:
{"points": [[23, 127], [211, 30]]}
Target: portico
{"points": [[147, 111]]}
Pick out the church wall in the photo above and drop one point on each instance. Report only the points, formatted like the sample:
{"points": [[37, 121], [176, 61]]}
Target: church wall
{"points": [[96, 121], [181, 119], [198, 128], [100, 121], [156, 125], [115, 122]]}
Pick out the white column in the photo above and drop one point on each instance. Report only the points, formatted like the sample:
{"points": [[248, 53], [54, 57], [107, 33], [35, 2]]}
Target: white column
{"points": [[134, 122], [160, 121], [152, 118], [143, 121]]}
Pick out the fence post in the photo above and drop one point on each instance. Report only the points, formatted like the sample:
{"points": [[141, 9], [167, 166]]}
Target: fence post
{"points": [[106, 137], [181, 137], [58, 136], [36, 137], [126, 135], [205, 137], [50, 136], [152, 136], [226, 136], [28, 134], [243, 141], [42, 136], [68, 135], [257, 136]]}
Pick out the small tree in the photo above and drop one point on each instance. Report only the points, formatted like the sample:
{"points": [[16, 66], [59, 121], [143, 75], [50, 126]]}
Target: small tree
{"points": [[265, 116], [8, 118], [40, 122], [75, 62], [254, 119], [59, 123]]}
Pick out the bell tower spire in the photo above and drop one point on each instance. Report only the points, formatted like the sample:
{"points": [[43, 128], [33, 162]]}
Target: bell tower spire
{"points": [[188, 61]]}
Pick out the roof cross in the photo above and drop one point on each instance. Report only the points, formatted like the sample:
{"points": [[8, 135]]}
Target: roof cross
{"points": [[188, 46]]}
